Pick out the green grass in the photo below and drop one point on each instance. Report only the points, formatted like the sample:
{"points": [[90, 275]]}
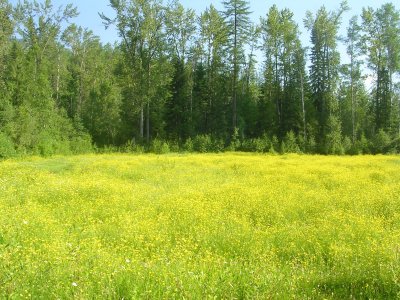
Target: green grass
{"points": [[200, 226]]}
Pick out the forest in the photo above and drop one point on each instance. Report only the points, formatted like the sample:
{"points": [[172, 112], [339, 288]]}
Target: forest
{"points": [[179, 81]]}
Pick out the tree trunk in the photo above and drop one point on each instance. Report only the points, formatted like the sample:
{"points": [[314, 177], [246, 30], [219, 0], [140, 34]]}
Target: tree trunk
{"points": [[303, 107], [58, 76], [235, 74], [353, 110], [148, 123], [141, 123], [148, 105]]}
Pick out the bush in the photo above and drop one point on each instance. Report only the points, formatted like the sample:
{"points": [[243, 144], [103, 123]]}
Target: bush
{"points": [[274, 145], [45, 145], [310, 144], [202, 143], [348, 146], [131, 147], [248, 145], [218, 145], [159, 147], [395, 145], [381, 142], [289, 144], [7, 148], [333, 143], [259, 145], [188, 145], [81, 144], [361, 146], [174, 146]]}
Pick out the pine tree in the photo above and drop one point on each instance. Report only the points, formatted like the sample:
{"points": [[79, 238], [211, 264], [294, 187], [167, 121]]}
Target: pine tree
{"points": [[381, 45], [324, 68], [237, 15]]}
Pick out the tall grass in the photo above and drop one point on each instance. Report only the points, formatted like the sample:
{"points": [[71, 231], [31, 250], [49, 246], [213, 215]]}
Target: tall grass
{"points": [[200, 226]]}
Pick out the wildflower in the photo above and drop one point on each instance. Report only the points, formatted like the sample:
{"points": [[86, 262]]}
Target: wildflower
{"points": [[74, 284]]}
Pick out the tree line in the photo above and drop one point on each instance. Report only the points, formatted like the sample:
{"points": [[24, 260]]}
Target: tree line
{"points": [[180, 81]]}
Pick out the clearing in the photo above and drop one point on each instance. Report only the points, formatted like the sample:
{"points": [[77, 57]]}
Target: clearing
{"points": [[200, 226]]}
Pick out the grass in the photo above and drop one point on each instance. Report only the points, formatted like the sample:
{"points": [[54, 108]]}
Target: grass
{"points": [[200, 226]]}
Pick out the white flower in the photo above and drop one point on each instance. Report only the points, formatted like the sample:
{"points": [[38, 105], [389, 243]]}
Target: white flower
{"points": [[74, 284]]}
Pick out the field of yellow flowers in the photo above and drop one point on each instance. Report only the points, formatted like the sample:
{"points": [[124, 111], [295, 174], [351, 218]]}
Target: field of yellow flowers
{"points": [[200, 226]]}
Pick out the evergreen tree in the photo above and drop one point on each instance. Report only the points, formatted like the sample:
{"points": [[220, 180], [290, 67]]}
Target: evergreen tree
{"points": [[181, 28], [237, 15], [212, 90], [324, 68], [381, 45], [284, 73]]}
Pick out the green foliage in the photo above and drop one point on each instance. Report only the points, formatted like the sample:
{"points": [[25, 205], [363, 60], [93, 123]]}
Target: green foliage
{"points": [[188, 145], [274, 145], [81, 144], [381, 142], [235, 141], [61, 89], [290, 144], [131, 147], [333, 143], [7, 148], [348, 146], [45, 144], [259, 145], [202, 143], [159, 147], [364, 145]]}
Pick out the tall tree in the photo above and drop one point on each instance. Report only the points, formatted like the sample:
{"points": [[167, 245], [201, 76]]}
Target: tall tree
{"points": [[6, 30], [181, 28], [140, 23], [211, 88], [324, 69], [237, 15], [352, 81], [284, 72], [381, 44], [40, 126]]}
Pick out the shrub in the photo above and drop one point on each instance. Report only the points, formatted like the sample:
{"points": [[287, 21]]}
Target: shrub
{"points": [[235, 141], [45, 145], [348, 146], [188, 145], [81, 144], [202, 143], [159, 147], [132, 147], [333, 143], [7, 148], [363, 145], [289, 144], [218, 145], [381, 142], [174, 146], [274, 145], [255, 145]]}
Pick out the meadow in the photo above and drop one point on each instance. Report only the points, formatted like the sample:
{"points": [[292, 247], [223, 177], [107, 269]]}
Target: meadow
{"points": [[200, 226]]}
